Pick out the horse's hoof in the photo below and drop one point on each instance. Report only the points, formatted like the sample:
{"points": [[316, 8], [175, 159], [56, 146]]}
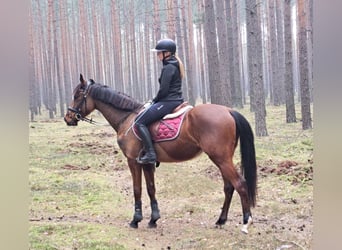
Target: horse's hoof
{"points": [[134, 224], [154, 218], [220, 222], [244, 229], [152, 224]]}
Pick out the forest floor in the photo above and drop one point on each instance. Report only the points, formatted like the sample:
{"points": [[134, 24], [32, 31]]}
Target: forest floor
{"points": [[81, 194]]}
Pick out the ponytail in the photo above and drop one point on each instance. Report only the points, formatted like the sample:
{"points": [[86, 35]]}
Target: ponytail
{"points": [[181, 67]]}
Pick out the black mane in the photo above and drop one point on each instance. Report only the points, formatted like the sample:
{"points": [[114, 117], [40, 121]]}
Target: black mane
{"points": [[116, 99]]}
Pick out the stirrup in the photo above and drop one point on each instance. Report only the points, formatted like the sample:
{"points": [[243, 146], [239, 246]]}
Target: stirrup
{"points": [[146, 161]]}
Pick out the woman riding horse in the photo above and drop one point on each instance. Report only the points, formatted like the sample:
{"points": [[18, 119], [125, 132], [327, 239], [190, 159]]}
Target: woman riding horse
{"points": [[168, 97]]}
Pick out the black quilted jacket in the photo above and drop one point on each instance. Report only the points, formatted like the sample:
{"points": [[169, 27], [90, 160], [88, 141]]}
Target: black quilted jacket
{"points": [[170, 82]]}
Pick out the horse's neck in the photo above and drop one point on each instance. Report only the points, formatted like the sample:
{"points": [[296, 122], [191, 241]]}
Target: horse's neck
{"points": [[114, 116]]}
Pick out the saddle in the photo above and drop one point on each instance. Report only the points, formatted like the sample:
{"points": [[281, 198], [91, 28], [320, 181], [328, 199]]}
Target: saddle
{"points": [[169, 126]]}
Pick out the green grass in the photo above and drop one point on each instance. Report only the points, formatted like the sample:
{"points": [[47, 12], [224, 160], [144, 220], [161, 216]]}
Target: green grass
{"points": [[81, 193]]}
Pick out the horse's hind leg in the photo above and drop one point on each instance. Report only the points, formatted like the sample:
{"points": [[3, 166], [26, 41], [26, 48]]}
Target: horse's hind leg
{"points": [[151, 190], [228, 191], [233, 180]]}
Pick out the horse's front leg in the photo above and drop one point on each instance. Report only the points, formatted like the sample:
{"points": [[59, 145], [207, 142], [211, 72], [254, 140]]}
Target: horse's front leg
{"points": [[151, 190], [135, 169]]}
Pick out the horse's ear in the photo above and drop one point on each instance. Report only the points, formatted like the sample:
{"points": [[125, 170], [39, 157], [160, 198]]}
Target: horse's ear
{"points": [[81, 79], [83, 82]]}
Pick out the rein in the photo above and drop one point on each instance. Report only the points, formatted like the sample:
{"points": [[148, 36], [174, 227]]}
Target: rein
{"points": [[79, 117]]}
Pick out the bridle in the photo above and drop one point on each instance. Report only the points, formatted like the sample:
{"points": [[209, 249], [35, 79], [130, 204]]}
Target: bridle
{"points": [[77, 109]]}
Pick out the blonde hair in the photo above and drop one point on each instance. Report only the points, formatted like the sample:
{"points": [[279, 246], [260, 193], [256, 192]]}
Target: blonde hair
{"points": [[181, 67]]}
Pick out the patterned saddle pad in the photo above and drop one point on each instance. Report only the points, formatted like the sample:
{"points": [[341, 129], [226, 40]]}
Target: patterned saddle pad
{"points": [[166, 129]]}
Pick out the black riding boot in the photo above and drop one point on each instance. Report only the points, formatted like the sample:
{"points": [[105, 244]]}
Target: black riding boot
{"points": [[150, 155]]}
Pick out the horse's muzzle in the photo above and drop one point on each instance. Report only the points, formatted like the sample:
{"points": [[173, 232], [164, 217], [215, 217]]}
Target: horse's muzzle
{"points": [[69, 121]]}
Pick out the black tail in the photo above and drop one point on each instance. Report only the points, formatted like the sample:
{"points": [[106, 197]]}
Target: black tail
{"points": [[248, 161]]}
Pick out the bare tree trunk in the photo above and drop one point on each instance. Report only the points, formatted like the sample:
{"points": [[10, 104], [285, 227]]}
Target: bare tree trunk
{"points": [[224, 87], [304, 65], [148, 46], [281, 51], [190, 60], [117, 46], [266, 47], [290, 105], [235, 63], [57, 62], [242, 47], [171, 28], [157, 36], [85, 60], [183, 51], [133, 46], [274, 80], [254, 44], [212, 51], [33, 85], [50, 86], [201, 62], [65, 42], [310, 46]]}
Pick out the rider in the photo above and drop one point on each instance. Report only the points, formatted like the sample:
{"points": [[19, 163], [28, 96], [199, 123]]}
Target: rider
{"points": [[168, 97]]}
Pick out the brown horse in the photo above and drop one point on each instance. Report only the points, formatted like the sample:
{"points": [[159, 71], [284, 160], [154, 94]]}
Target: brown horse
{"points": [[208, 128]]}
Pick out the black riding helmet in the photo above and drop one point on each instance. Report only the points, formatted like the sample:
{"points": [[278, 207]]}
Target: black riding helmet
{"points": [[165, 45]]}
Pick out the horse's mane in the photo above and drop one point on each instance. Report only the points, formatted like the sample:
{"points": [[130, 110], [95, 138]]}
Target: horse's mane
{"points": [[116, 99]]}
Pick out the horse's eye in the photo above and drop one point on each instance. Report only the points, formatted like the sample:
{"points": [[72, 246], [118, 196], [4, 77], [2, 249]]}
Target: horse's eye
{"points": [[76, 96]]}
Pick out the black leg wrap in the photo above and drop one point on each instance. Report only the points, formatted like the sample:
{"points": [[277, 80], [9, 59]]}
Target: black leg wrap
{"points": [[154, 215], [246, 217], [137, 217]]}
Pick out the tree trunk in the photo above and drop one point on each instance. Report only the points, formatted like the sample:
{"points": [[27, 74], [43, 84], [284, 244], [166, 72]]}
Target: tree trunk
{"points": [[304, 64], [281, 51], [50, 86], [310, 46], [148, 46], [85, 59], [32, 89], [184, 52], [274, 77], [65, 43], [235, 47], [212, 53], [117, 46], [190, 68], [171, 27], [254, 46], [133, 64], [157, 66], [201, 62], [290, 105], [224, 95]]}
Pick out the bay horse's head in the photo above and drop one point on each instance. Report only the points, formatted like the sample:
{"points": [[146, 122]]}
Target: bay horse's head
{"points": [[81, 105]]}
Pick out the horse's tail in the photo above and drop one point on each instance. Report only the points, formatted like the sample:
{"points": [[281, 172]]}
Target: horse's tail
{"points": [[247, 150]]}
